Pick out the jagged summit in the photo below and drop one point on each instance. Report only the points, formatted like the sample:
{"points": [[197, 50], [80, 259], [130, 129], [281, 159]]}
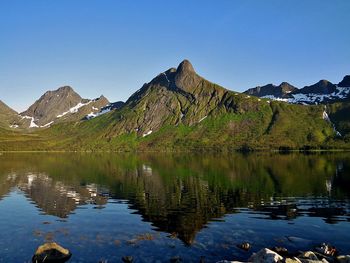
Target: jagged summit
{"points": [[185, 67], [186, 78]]}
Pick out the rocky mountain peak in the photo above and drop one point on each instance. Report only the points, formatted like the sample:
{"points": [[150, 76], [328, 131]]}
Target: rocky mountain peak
{"points": [[102, 98], [186, 77], [345, 82], [65, 88], [323, 83], [185, 67], [321, 87], [52, 104]]}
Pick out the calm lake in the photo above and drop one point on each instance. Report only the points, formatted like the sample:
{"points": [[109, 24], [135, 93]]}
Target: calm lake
{"points": [[156, 207]]}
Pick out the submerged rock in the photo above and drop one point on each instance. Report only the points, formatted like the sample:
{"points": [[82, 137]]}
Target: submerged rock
{"points": [[128, 259], [176, 259], [51, 252], [343, 259], [265, 255], [245, 246]]}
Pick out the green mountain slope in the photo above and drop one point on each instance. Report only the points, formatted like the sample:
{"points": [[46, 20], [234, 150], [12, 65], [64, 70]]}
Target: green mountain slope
{"points": [[9, 119], [339, 113], [7, 115]]}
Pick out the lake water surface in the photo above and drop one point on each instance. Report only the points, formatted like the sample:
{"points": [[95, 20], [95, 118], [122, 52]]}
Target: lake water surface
{"points": [[156, 207]]}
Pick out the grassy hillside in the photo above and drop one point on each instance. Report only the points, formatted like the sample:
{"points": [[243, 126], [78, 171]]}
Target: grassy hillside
{"points": [[273, 126], [7, 116]]}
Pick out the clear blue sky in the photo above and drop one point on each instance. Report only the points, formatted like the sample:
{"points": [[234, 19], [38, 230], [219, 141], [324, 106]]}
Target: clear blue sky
{"points": [[112, 47]]}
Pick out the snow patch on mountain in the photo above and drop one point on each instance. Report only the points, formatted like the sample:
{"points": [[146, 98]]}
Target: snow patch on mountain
{"points": [[104, 110], [73, 109], [147, 133], [202, 119], [313, 98], [166, 77], [47, 124], [32, 123]]}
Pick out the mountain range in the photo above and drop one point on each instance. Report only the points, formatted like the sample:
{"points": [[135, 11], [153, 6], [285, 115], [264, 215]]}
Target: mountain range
{"points": [[321, 92], [180, 110]]}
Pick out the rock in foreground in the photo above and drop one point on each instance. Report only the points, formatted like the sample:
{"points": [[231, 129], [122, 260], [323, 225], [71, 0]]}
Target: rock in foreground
{"points": [[51, 252]]}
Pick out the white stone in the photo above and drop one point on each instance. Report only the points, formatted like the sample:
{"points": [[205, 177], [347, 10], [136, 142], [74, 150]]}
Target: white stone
{"points": [[265, 255]]}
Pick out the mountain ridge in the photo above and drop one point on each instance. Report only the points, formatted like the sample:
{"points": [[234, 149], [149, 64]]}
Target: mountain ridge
{"points": [[322, 92]]}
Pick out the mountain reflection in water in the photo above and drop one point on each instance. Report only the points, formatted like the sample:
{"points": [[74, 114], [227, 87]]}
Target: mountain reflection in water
{"points": [[180, 194]]}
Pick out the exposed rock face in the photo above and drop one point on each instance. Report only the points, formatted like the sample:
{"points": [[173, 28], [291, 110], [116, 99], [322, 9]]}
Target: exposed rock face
{"points": [[52, 104], [283, 90], [63, 104], [345, 82], [186, 78]]}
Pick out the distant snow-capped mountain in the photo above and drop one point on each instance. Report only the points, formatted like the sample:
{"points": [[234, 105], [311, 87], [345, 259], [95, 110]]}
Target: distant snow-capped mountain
{"points": [[319, 93], [61, 105]]}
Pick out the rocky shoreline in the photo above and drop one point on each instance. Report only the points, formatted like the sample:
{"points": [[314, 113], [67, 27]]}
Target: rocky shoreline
{"points": [[324, 253]]}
